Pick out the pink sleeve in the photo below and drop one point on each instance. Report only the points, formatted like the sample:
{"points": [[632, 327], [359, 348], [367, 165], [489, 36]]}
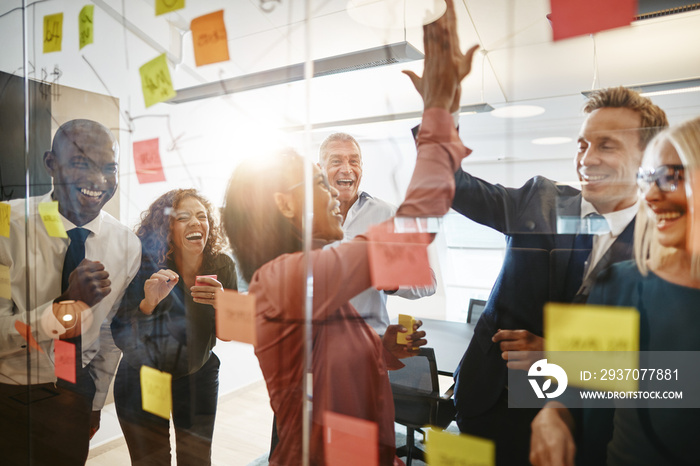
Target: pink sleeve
{"points": [[440, 153]]}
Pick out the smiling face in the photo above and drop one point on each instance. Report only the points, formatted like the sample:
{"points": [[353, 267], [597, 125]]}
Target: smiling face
{"points": [[83, 165], [327, 219], [189, 230], [608, 158], [342, 163], [669, 208]]}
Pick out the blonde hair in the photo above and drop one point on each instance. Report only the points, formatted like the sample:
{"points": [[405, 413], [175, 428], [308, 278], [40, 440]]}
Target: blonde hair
{"points": [[685, 139]]}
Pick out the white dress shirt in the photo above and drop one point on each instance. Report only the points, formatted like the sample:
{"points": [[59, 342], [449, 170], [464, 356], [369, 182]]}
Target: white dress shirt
{"points": [[36, 259], [371, 303], [617, 222]]}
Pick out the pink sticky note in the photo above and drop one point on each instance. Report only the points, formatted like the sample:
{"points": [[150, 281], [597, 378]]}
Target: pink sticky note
{"points": [[26, 332], [572, 18], [64, 358], [349, 441], [235, 317], [147, 160], [398, 259]]}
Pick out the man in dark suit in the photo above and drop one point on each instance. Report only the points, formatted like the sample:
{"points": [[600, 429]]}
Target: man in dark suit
{"points": [[543, 261]]}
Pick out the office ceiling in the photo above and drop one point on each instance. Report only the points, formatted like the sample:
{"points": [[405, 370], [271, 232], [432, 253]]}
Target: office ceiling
{"points": [[518, 64]]}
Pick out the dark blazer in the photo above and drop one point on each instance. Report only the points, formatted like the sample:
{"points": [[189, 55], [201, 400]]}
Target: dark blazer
{"points": [[534, 272]]}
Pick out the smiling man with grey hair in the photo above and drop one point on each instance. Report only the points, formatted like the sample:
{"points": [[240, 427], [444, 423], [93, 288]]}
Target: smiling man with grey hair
{"points": [[341, 158]]}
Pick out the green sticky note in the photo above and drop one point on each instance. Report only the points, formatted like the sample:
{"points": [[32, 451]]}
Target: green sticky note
{"points": [[447, 449], [166, 6], [53, 32], [155, 81], [5, 285], [86, 25], [156, 392], [52, 220], [5, 210]]}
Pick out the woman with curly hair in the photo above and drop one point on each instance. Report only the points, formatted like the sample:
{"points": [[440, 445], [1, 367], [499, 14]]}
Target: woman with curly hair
{"points": [[166, 321]]}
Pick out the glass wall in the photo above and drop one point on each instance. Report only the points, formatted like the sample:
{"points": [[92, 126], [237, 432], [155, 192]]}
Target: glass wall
{"points": [[193, 142]]}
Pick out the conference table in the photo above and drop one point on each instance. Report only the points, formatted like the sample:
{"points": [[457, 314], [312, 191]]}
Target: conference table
{"points": [[449, 340]]}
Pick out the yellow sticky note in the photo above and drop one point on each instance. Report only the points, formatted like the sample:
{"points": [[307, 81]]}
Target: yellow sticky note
{"points": [[578, 327], [86, 25], [52, 220], [5, 211], [587, 337], [447, 449], [407, 321], [53, 32], [155, 81], [166, 6], [5, 286], [156, 392]]}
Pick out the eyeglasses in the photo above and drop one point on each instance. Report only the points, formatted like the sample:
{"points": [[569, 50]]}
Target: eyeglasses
{"points": [[666, 178], [320, 179]]}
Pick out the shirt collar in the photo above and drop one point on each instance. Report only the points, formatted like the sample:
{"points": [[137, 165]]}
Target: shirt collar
{"points": [[94, 225], [617, 221]]}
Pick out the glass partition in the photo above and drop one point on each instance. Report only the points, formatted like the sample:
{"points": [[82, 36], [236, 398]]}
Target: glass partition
{"points": [[198, 251]]}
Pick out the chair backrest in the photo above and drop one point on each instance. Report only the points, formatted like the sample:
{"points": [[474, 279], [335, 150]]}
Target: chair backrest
{"points": [[420, 373], [476, 307]]}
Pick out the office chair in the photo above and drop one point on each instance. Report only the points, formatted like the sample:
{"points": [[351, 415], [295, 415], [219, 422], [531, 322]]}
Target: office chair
{"points": [[417, 400], [476, 307]]}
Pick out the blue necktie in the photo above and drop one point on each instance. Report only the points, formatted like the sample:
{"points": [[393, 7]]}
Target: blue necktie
{"points": [[74, 255]]}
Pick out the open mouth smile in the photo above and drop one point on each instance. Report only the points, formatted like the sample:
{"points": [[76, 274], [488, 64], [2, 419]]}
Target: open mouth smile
{"points": [[93, 195], [345, 183], [194, 236]]}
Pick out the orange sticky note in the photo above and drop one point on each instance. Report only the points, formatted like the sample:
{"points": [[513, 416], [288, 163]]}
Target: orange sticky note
{"points": [[53, 32], [572, 18], [235, 317], [447, 449], [26, 332], [166, 6], [349, 441], [5, 211], [156, 84], [209, 38], [156, 392], [64, 359], [48, 211], [149, 168], [398, 259]]}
